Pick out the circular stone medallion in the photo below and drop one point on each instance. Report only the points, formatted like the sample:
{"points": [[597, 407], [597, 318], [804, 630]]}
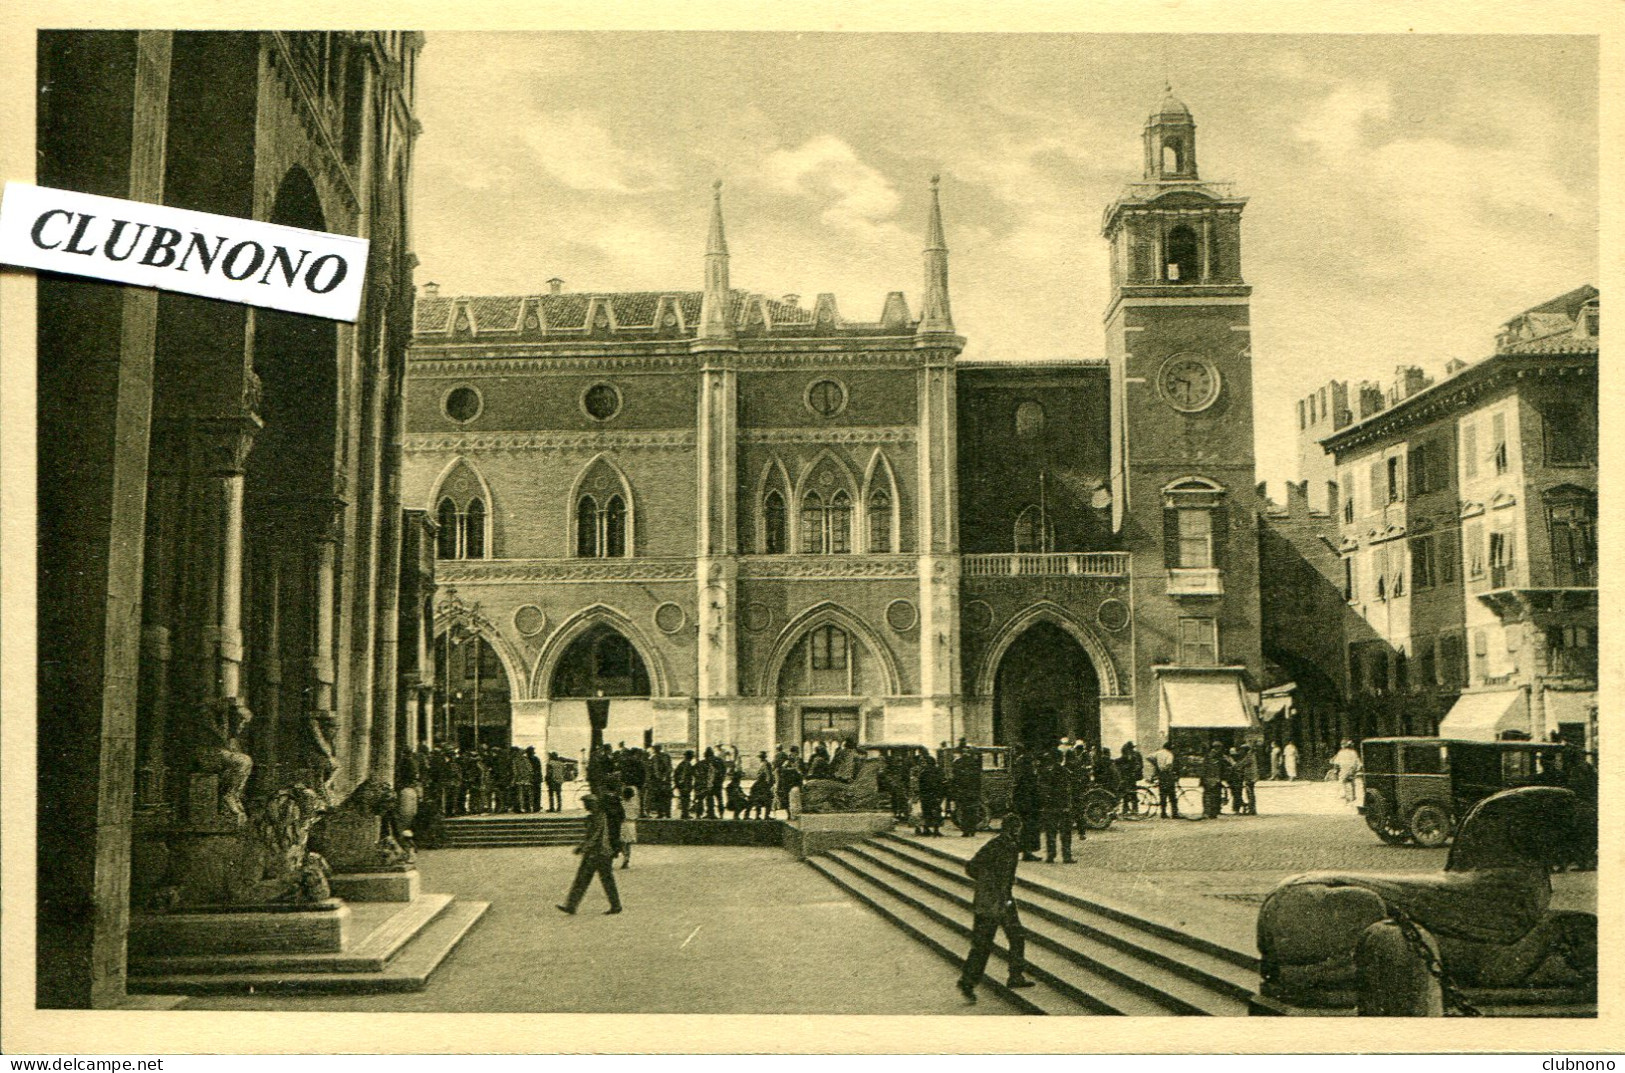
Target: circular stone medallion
{"points": [[1113, 614], [670, 617], [901, 616]]}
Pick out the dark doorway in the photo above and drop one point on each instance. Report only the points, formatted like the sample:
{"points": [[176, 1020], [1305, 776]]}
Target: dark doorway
{"points": [[1046, 689], [601, 663], [474, 696]]}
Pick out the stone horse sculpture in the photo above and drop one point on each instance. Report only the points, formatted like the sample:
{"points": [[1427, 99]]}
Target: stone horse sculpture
{"points": [[1426, 944], [861, 794]]}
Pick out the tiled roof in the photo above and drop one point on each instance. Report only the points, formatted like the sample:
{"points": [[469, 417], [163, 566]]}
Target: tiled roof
{"points": [[633, 312], [1555, 344]]}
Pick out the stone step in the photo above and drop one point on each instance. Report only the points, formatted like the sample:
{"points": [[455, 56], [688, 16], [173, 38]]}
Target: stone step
{"points": [[1141, 924], [941, 940], [1112, 937], [408, 970], [371, 954], [468, 841], [1161, 979], [1087, 988]]}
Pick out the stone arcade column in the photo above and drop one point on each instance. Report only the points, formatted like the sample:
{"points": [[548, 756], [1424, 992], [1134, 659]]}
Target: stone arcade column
{"points": [[221, 447], [96, 347], [325, 726]]}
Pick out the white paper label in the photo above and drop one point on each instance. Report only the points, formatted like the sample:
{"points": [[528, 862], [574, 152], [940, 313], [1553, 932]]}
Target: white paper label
{"points": [[172, 249]]}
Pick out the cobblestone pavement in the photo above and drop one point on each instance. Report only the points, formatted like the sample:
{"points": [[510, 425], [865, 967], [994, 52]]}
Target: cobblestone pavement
{"points": [[706, 930]]}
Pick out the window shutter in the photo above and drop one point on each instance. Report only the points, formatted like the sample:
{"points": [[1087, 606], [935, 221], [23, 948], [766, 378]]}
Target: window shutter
{"points": [[1170, 537], [1379, 490], [1221, 535]]}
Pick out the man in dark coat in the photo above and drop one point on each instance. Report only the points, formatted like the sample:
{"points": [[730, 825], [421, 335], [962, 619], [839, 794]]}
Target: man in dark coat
{"points": [[683, 778], [994, 870], [657, 800], [818, 766], [928, 775], [790, 777], [1215, 769], [597, 850], [1024, 803], [534, 763], [1130, 770], [967, 784], [1080, 780], [1055, 804]]}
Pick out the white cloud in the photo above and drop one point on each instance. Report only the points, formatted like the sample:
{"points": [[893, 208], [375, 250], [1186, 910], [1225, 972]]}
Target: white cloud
{"points": [[855, 197], [575, 149]]}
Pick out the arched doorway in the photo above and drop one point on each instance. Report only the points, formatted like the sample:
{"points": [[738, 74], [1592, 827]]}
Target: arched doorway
{"points": [[473, 696], [601, 675], [1045, 689]]}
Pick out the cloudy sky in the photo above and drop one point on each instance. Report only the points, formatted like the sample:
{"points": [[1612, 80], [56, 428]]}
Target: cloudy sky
{"points": [[1409, 193]]}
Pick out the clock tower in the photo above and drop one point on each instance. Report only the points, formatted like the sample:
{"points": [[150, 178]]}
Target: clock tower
{"points": [[1183, 484]]}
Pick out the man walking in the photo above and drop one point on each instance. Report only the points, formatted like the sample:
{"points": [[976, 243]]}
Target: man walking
{"points": [[930, 789], [597, 852], [994, 870]]}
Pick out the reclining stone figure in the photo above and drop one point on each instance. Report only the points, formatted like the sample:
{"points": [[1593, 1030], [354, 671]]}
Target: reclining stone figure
{"points": [[1402, 944]]}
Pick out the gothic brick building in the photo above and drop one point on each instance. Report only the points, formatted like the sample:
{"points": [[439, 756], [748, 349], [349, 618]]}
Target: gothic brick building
{"points": [[747, 519]]}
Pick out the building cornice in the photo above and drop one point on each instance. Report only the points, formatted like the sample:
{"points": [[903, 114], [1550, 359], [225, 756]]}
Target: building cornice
{"points": [[629, 439]]}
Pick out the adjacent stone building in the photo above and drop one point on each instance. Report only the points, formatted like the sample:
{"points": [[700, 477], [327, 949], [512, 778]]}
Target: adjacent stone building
{"points": [[1464, 521], [714, 516], [219, 512]]}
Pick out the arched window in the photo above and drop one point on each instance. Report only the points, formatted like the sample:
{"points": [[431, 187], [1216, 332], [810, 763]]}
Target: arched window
{"points": [[461, 533], [474, 530], [614, 521], [587, 528], [812, 524], [446, 538], [462, 514], [1183, 259], [829, 649], [601, 528], [1171, 162], [879, 521], [839, 520], [1034, 535], [775, 538]]}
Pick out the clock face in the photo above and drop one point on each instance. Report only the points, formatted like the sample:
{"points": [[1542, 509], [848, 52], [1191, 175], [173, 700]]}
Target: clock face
{"points": [[1189, 383]]}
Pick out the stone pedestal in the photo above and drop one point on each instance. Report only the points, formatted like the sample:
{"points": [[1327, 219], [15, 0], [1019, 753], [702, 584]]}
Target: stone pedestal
{"points": [[812, 833], [385, 885], [319, 928]]}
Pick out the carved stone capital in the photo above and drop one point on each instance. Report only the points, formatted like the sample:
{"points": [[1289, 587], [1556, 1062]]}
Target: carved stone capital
{"points": [[220, 445]]}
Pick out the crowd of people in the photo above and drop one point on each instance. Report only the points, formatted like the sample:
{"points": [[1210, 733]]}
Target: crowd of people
{"points": [[486, 779], [1049, 787]]}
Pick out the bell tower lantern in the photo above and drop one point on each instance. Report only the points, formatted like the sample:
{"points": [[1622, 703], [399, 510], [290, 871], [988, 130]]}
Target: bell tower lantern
{"points": [[1170, 141]]}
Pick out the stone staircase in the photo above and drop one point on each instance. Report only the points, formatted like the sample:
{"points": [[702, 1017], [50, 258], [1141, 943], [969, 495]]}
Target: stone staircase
{"points": [[1086, 957], [519, 829], [388, 946]]}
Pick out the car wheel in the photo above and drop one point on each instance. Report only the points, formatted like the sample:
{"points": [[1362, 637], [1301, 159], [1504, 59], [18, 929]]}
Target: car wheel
{"points": [[1431, 825], [1098, 813]]}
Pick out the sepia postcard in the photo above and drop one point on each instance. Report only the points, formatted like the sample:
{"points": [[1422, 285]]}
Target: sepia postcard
{"points": [[678, 530]]}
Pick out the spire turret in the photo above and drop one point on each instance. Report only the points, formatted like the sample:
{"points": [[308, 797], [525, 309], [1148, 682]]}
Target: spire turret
{"points": [[714, 304], [936, 316]]}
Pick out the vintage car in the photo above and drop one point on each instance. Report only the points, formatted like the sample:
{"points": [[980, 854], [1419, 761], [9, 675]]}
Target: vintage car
{"points": [[1418, 789], [995, 776]]}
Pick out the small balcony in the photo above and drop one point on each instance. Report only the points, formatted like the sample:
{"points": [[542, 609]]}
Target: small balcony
{"points": [[1578, 663], [1048, 564], [1195, 581]]}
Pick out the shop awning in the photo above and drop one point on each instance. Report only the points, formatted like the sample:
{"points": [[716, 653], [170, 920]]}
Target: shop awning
{"points": [[1569, 708], [1482, 716], [1204, 700], [1270, 707]]}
